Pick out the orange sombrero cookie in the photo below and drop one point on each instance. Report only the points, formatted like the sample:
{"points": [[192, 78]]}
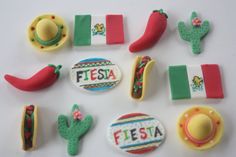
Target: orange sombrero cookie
{"points": [[200, 127], [48, 32]]}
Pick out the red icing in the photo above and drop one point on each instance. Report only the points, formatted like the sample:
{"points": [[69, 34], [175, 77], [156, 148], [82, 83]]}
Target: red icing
{"points": [[142, 151], [131, 115], [40, 80], [114, 29], [155, 28], [212, 80]]}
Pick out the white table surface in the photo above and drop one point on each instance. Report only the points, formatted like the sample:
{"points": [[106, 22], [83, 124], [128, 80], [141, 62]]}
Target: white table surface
{"points": [[18, 57]]}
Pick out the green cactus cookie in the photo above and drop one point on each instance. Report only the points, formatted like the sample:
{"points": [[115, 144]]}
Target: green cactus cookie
{"points": [[74, 130], [195, 32]]}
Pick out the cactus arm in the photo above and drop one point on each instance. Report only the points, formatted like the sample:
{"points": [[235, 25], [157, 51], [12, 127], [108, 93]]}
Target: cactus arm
{"points": [[75, 107], [204, 28], [84, 125], [73, 145], [194, 15], [63, 126], [184, 31]]}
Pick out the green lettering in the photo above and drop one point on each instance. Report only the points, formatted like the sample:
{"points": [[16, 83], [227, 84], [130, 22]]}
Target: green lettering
{"points": [[106, 73], [150, 130], [86, 74]]}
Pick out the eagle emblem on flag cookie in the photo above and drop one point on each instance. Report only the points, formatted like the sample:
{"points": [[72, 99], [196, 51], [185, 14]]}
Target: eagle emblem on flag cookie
{"points": [[99, 29]]}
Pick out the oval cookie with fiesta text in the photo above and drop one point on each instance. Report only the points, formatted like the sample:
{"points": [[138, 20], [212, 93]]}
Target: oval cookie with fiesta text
{"points": [[95, 74], [136, 133]]}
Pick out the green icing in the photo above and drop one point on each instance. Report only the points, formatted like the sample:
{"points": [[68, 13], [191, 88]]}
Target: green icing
{"points": [[82, 30], [194, 34], [161, 12], [57, 69], [73, 131], [179, 86], [49, 42]]}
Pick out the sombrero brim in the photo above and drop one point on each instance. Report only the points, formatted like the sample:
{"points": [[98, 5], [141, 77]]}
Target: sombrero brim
{"points": [[217, 122], [60, 23]]}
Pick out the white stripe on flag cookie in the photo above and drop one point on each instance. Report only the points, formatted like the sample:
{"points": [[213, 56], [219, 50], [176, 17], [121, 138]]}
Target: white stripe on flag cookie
{"points": [[196, 81], [98, 30]]}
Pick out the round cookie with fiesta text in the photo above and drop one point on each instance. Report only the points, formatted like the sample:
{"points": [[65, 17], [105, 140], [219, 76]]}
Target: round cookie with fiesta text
{"points": [[136, 133], [95, 74]]}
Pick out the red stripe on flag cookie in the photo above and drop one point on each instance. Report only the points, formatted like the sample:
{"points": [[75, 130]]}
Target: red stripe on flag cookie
{"points": [[114, 29], [212, 79]]}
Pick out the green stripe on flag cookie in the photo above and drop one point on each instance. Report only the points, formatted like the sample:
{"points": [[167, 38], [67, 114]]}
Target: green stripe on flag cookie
{"points": [[82, 30], [179, 82]]}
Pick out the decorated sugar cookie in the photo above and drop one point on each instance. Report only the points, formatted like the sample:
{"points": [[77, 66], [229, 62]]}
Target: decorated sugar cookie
{"points": [[136, 133], [200, 127], [155, 27], [141, 68], [48, 32], [98, 30], [95, 74], [74, 128], [203, 81], [197, 30], [29, 126], [42, 79]]}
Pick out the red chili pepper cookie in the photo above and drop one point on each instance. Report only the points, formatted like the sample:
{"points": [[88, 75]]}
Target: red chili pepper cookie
{"points": [[42, 79], [156, 26]]}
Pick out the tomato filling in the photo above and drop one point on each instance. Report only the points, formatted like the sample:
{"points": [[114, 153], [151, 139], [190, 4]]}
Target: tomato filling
{"points": [[138, 77], [29, 127]]}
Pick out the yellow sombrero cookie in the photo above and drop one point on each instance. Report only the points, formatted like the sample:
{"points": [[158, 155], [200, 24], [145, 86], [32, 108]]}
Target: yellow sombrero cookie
{"points": [[200, 127], [48, 32]]}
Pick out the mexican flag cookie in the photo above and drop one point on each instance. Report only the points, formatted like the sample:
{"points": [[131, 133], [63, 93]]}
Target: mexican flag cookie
{"points": [[136, 133], [203, 81], [98, 30]]}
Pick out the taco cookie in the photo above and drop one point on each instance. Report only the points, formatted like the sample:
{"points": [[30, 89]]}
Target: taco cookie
{"points": [[29, 127], [141, 68]]}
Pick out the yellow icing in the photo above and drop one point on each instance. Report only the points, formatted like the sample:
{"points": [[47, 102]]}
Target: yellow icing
{"points": [[200, 126], [215, 118], [46, 29]]}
